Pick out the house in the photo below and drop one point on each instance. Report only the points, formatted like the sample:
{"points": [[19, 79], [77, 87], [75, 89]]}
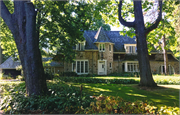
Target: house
{"points": [[104, 52], [10, 65]]}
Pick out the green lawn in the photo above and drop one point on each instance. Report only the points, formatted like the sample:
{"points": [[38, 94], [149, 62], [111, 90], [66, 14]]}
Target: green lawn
{"points": [[163, 95]]}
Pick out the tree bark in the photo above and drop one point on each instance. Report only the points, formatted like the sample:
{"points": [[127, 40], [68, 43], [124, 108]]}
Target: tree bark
{"points": [[22, 24], [143, 57], [166, 72], [146, 78]]}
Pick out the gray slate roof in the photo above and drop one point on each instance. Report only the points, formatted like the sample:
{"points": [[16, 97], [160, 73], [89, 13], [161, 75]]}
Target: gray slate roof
{"points": [[11, 64], [108, 36]]}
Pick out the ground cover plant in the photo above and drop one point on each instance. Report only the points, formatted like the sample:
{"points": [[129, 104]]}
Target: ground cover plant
{"points": [[73, 97]]}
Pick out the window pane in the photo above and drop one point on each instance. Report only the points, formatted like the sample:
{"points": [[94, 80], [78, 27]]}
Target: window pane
{"points": [[74, 67], [78, 66], [86, 66], [103, 47], [82, 46], [109, 47], [133, 49], [82, 66], [100, 47], [129, 67]]}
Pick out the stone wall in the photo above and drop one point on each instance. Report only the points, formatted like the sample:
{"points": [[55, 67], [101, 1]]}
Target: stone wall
{"points": [[91, 56], [155, 66]]}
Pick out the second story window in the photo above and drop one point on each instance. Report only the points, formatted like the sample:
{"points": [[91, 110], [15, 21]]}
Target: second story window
{"points": [[130, 49], [101, 47], [110, 48], [80, 46]]}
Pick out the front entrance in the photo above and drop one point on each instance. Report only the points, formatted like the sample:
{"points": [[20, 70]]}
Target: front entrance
{"points": [[102, 67]]}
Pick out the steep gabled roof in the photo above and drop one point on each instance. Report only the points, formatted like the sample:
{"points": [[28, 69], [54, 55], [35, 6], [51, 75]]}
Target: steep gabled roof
{"points": [[10, 64], [113, 36], [89, 42], [101, 36]]}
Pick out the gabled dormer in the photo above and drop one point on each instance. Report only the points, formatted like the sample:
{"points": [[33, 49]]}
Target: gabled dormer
{"points": [[81, 46], [130, 48], [102, 41]]}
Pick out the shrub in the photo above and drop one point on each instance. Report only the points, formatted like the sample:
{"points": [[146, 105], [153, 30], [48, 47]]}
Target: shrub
{"points": [[116, 105], [49, 75], [63, 99], [94, 80], [21, 78], [72, 74]]}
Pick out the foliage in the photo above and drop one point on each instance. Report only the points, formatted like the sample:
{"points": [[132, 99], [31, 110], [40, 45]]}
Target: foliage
{"points": [[21, 78], [62, 99], [94, 80], [116, 105], [72, 74], [133, 74]]}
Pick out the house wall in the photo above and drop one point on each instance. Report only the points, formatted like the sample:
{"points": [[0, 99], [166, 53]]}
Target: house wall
{"points": [[117, 67], [155, 66], [91, 56]]}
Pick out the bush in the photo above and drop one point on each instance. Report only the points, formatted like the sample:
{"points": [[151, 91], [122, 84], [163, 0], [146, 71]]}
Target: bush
{"points": [[49, 75], [126, 74], [94, 80], [21, 78], [63, 99], [116, 105], [72, 74]]}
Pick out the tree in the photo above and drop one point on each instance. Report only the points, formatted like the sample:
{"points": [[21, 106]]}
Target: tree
{"points": [[141, 33], [22, 24], [165, 33]]}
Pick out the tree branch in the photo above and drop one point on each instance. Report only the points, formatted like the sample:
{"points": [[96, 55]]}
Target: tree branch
{"points": [[7, 16], [122, 21], [156, 22]]}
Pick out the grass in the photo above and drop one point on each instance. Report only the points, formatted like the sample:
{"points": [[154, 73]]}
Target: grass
{"points": [[164, 95]]}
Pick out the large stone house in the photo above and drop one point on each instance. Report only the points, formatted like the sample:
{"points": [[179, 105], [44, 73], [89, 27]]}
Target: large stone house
{"points": [[104, 52]]}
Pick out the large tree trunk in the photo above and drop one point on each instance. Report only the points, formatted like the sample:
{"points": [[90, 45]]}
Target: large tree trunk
{"points": [[22, 24], [166, 72], [143, 57], [146, 78]]}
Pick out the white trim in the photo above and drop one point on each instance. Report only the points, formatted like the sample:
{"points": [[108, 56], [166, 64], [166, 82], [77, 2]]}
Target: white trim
{"points": [[161, 66], [102, 44], [105, 73], [79, 48], [126, 66], [80, 60]]}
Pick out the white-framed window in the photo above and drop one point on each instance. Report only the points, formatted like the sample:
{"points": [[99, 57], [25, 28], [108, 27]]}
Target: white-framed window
{"points": [[102, 47], [80, 66], [80, 46], [130, 48], [110, 47], [170, 69], [131, 67]]}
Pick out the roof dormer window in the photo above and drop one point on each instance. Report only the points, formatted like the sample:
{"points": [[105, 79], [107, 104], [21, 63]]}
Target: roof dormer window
{"points": [[130, 48], [80, 46], [102, 47]]}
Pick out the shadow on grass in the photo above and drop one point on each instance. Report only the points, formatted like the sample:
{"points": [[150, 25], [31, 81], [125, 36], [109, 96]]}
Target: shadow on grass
{"points": [[159, 96]]}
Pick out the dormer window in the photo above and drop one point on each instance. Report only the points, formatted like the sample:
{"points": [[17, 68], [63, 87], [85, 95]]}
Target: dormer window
{"points": [[102, 47], [130, 48], [80, 46]]}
